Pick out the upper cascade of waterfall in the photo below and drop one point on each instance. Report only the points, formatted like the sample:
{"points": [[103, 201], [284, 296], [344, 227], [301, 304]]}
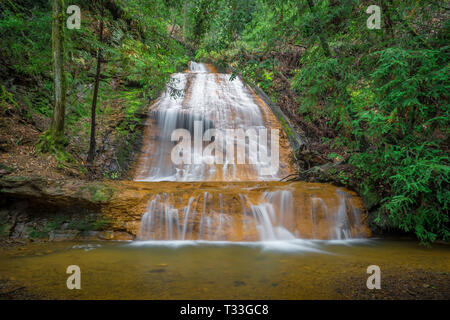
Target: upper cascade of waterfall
{"points": [[197, 67], [233, 135]]}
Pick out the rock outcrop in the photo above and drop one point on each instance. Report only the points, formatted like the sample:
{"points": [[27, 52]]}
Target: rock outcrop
{"points": [[66, 209]]}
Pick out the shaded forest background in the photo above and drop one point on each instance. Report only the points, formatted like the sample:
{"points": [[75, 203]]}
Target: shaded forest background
{"points": [[372, 105]]}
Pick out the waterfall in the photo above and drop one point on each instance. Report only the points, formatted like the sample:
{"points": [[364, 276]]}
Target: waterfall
{"points": [[274, 215], [213, 101], [202, 107], [197, 67]]}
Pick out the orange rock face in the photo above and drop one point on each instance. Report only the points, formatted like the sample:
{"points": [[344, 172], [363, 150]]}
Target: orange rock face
{"points": [[237, 211]]}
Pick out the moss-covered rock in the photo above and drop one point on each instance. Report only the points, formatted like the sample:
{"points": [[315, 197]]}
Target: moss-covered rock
{"points": [[96, 192]]}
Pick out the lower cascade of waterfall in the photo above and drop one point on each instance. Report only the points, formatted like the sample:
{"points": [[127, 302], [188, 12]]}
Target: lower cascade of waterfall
{"points": [[273, 215]]}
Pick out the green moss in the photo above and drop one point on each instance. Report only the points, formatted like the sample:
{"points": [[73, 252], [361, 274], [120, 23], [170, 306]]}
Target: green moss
{"points": [[37, 234], [49, 143], [286, 127], [98, 192], [113, 175], [4, 229], [100, 196], [101, 224], [90, 224], [44, 230], [369, 195], [83, 224], [129, 131]]}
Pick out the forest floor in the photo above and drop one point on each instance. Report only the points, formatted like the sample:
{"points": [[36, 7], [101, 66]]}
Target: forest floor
{"points": [[19, 135], [18, 138]]}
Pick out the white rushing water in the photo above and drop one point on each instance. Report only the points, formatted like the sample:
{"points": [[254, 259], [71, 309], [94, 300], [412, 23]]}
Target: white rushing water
{"points": [[214, 101], [271, 218]]}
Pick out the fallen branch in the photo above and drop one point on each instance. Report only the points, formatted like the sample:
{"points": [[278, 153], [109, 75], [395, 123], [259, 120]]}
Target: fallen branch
{"points": [[285, 179]]}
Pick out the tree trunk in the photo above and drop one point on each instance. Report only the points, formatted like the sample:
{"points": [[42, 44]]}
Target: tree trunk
{"points": [[319, 30], [386, 7], [172, 24], [91, 153], [59, 80], [184, 20]]}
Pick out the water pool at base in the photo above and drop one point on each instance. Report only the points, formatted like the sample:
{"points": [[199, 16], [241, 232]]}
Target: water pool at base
{"points": [[299, 269]]}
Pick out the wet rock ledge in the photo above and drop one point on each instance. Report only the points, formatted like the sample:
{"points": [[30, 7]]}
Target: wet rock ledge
{"points": [[39, 208]]}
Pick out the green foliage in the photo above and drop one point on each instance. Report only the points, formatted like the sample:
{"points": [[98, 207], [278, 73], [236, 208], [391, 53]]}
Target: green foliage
{"points": [[6, 98], [25, 37], [407, 127], [43, 231], [139, 57], [48, 143], [97, 192]]}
